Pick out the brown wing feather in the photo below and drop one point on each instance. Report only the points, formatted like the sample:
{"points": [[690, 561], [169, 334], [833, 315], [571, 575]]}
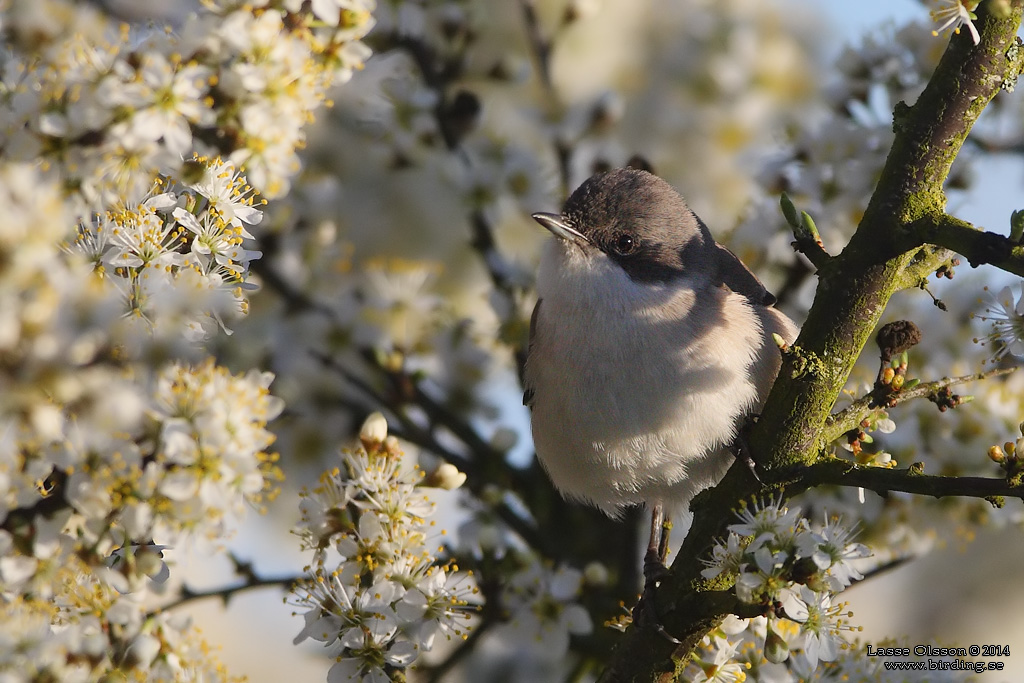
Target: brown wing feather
{"points": [[736, 276]]}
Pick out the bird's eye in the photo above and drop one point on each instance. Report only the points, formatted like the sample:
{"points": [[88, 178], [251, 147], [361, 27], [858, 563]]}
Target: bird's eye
{"points": [[624, 244]]}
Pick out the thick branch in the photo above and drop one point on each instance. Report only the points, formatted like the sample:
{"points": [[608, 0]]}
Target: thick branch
{"points": [[977, 246], [855, 289]]}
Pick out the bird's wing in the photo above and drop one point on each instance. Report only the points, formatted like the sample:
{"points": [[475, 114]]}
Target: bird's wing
{"points": [[735, 275], [528, 392]]}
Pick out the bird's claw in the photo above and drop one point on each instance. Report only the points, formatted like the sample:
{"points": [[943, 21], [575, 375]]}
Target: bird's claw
{"points": [[645, 613], [655, 570], [741, 448], [744, 456]]}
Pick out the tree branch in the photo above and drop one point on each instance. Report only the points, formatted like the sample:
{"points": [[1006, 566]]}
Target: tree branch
{"points": [[850, 417], [539, 45], [885, 568], [977, 246], [252, 581], [882, 480], [924, 263], [436, 673]]}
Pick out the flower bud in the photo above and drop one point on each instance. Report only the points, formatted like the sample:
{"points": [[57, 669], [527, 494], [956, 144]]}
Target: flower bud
{"points": [[150, 561], [447, 477], [374, 430], [789, 210], [996, 454], [142, 651], [595, 574], [776, 650], [808, 229]]}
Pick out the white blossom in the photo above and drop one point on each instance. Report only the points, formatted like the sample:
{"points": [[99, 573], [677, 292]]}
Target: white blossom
{"points": [[1007, 320], [544, 609], [956, 14], [373, 515]]}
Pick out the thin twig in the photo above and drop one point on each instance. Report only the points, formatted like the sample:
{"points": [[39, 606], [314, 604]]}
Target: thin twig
{"points": [[188, 595], [539, 45], [883, 481], [885, 568], [437, 672], [410, 431], [252, 581], [850, 417]]}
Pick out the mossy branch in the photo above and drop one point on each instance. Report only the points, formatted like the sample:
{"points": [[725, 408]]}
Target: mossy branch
{"points": [[979, 247], [924, 263]]}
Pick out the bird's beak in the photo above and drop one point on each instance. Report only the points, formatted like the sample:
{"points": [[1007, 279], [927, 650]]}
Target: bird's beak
{"points": [[560, 228]]}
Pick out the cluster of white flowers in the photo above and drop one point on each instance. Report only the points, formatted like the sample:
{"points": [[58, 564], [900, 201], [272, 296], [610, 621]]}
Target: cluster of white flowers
{"points": [[109, 109], [716, 660], [93, 629], [794, 570], [110, 449], [101, 455], [741, 650], [544, 611], [388, 309], [378, 595], [176, 259]]}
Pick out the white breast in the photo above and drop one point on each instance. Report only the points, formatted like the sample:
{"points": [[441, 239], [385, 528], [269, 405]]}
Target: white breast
{"points": [[638, 388]]}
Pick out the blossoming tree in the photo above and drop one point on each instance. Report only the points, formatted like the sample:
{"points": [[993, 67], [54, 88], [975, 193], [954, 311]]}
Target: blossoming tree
{"points": [[218, 237]]}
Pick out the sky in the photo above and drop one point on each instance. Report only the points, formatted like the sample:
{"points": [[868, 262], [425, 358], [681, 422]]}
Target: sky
{"points": [[852, 18]]}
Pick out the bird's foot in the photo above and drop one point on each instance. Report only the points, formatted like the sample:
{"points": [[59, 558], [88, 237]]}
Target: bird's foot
{"points": [[645, 613], [740, 447], [655, 570]]}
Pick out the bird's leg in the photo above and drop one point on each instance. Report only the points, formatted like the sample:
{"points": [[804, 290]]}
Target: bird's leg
{"points": [[657, 548], [666, 530], [645, 613], [740, 447]]}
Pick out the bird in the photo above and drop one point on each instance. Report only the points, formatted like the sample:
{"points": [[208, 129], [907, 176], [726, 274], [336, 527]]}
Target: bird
{"points": [[650, 347]]}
